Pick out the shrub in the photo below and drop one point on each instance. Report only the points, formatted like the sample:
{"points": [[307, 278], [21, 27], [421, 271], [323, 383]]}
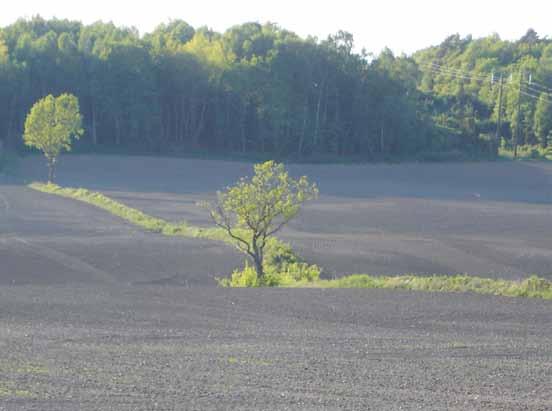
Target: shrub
{"points": [[241, 278], [275, 276]]}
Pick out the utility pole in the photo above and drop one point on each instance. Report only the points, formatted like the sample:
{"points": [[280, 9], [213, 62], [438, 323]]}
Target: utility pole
{"points": [[518, 113], [499, 122]]}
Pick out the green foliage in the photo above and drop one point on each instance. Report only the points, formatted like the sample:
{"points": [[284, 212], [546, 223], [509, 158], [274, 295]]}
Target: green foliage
{"points": [[51, 125], [241, 278], [543, 119], [533, 287], [258, 89], [275, 276], [255, 209], [303, 275], [526, 152], [461, 81]]}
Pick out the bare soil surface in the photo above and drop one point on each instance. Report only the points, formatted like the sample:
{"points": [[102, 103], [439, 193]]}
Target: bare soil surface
{"points": [[98, 315], [487, 219], [175, 348], [45, 239]]}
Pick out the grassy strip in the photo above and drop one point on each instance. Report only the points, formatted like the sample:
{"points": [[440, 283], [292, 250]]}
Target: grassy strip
{"points": [[129, 214], [533, 287]]}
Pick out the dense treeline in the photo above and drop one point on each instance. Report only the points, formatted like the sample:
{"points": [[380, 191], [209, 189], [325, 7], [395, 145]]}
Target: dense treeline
{"points": [[465, 76], [262, 89]]}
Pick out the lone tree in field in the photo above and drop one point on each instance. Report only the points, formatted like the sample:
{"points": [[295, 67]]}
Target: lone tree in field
{"points": [[51, 125], [255, 209]]}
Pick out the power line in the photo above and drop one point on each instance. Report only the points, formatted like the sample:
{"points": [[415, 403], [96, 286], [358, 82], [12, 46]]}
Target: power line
{"points": [[539, 86], [516, 140], [452, 73], [535, 90], [458, 76], [458, 71], [499, 122], [524, 92], [529, 89]]}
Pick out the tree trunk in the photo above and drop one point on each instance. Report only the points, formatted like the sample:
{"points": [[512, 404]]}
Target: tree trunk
{"points": [[51, 170], [199, 126], [258, 259], [382, 141], [11, 114], [242, 129], [304, 129], [117, 131], [317, 120], [259, 268], [94, 130]]}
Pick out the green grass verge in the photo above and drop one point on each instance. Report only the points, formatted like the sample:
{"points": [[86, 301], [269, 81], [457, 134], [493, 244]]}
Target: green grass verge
{"points": [[129, 214], [534, 287], [286, 269]]}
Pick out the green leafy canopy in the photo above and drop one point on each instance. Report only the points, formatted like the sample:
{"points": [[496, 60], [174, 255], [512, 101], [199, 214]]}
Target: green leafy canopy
{"points": [[52, 123]]}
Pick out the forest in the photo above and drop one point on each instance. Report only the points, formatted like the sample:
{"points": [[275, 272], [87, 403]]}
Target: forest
{"points": [[260, 89]]}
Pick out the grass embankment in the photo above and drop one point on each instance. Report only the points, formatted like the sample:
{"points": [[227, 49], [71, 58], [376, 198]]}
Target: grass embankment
{"points": [[285, 269]]}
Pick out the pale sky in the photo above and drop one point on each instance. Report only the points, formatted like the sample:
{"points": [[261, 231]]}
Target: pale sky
{"points": [[401, 25]]}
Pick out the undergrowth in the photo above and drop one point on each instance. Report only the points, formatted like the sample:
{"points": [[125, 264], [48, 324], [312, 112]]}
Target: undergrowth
{"points": [[285, 269], [525, 152]]}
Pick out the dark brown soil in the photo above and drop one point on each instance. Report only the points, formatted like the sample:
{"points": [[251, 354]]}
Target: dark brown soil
{"points": [[98, 315], [174, 348]]}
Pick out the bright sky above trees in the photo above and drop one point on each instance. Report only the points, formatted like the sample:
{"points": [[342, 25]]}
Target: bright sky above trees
{"points": [[402, 25]]}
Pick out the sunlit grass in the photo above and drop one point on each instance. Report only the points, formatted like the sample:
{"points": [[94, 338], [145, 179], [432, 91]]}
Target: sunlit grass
{"points": [[533, 287]]}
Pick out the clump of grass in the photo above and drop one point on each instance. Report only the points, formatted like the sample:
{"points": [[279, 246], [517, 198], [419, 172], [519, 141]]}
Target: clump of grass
{"points": [[533, 287]]}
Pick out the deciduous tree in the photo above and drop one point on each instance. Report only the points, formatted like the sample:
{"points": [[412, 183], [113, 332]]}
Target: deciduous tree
{"points": [[51, 125], [255, 209]]}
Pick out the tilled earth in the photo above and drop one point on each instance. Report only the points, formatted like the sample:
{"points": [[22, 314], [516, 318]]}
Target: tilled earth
{"points": [[488, 219], [98, 315], [176, 348]]}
